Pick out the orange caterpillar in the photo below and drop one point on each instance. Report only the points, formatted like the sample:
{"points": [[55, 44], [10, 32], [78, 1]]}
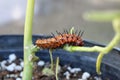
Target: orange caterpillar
{"points": [[60, 40]]}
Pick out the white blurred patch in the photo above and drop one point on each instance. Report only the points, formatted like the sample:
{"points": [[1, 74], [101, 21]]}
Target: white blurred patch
{"points": [[17, 12]]}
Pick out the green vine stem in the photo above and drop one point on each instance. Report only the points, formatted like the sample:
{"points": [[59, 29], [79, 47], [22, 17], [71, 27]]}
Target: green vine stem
{"points": [[72, 30], [57, 68], [51, 59], [84, 49], [29, 49], [101, 16], [114, 42]]}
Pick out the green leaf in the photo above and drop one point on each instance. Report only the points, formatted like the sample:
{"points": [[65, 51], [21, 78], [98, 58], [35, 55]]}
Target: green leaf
{"points": [[47, 71]]}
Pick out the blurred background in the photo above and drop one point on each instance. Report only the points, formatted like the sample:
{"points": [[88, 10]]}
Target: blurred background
{"points": [[52, 15]]}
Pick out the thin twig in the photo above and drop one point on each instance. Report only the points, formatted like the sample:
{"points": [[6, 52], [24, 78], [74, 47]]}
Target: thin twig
{"points": [[57, 67]]}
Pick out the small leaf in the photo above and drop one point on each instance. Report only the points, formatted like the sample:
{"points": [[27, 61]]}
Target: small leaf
{"points": [[47, 71]]}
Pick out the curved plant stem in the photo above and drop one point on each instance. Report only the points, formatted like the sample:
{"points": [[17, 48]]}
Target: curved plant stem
{"points": [[102, 50], [51, 59], [28, 64], [98, 63], [114, 42], [72, 30]]}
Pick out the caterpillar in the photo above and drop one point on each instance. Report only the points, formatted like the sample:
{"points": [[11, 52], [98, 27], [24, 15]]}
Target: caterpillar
{"points": [[60, 40]]}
